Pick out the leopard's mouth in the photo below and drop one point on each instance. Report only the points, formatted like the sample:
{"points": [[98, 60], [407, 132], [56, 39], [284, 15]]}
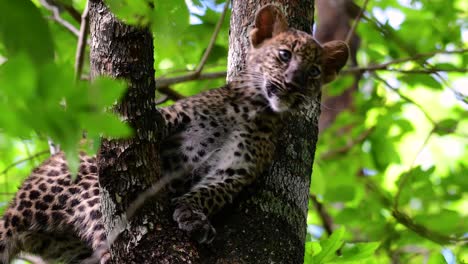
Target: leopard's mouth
{"points": [[272, 89], [281, 98]]}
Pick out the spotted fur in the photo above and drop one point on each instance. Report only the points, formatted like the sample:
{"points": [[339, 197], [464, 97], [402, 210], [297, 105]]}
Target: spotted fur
{"points": [[216, 143]]}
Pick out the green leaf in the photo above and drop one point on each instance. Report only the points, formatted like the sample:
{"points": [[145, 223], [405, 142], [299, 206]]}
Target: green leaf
{"points": [[330, 246], [338, 86], [339, 193], [23, 29], [446, 221], [18, 79], [105, 124], [318, 183], [446, 126], [445, 66], [105, 91], [169, 18], [133, 12], [421, 79], [218, 53], [382, 146], [436, 258], [312, 248], [73, 161], [357, 252]]}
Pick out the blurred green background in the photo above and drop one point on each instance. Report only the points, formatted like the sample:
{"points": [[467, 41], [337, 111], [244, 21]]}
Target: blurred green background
{"points": [[391, 172]]}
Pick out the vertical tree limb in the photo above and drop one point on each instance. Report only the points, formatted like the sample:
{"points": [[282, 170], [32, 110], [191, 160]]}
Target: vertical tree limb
{"points": [[81, 45], [267, 222], [128, 167]]}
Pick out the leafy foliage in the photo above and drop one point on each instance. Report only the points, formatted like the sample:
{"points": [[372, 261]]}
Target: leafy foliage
{"points": [[392, 170], [384, 169]]}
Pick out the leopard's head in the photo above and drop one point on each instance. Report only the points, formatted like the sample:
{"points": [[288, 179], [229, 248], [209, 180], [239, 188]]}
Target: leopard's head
{"points": [[289, 65]]}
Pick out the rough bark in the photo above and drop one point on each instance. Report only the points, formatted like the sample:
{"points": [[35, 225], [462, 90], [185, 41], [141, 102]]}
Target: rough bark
{"points": [[127, 167], [267, 222]]}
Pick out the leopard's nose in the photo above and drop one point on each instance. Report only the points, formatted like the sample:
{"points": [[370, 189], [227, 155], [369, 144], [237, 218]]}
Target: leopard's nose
{"points": [[296, 79]]}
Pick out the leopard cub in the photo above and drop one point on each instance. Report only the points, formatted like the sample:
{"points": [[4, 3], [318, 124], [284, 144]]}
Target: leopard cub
{"points": [[215, 144]]}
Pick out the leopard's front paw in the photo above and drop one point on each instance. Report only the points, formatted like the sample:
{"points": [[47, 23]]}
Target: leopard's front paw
{"points": [[195, 223]]}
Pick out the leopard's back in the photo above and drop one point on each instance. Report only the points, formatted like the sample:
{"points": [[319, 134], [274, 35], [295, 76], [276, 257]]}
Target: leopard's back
{"points": [[53, 215]]}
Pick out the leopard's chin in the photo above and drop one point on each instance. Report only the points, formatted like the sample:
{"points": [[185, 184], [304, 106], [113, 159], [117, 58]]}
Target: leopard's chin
{"points": [[277, 105], [277, 102]]}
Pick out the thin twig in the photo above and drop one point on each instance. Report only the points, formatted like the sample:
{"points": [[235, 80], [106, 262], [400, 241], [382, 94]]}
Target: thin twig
{"points": [[355, 23], [148, 193], [134, 206], [389, 34], [406, 176], [75, 14], [344, 149], [406, 221], [56, 17], [213, 39], [81, 45], [196, 74], [174, 72], [122, 221], [9, 167], [53, 148], [406, 98], [162, 99], [427, 71], [163, 82], [171, 94], [385, 65], [412, 71], [423, 231], [326, 218]]}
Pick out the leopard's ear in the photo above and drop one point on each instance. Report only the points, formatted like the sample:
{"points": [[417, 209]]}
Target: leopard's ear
{"points": [[335, 55], [269, 21]]}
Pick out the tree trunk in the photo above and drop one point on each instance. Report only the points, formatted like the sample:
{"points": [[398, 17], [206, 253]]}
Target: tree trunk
{"points": [[267, 222], [127, 167]]}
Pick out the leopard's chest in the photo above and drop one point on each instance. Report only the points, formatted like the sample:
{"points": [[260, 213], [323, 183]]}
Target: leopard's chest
{"points": [[212, 138]]}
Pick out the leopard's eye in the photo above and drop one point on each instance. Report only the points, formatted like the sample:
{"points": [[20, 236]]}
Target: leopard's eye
{"points": [[285, 55], [314, 72]]}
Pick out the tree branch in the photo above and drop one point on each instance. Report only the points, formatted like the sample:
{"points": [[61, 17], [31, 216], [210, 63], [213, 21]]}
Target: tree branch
{"points": [[122, 222], [427, 71], [406, 221], [192, 76], [196, 74], [135, 205], [213, 39], [389, 34], [9, 167], [406, 98], [56, 17], [356, 22], [406, 176], [384, 66], [327, 220], [81, 45], [75, 14], [344, 149], [171, 94]]}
